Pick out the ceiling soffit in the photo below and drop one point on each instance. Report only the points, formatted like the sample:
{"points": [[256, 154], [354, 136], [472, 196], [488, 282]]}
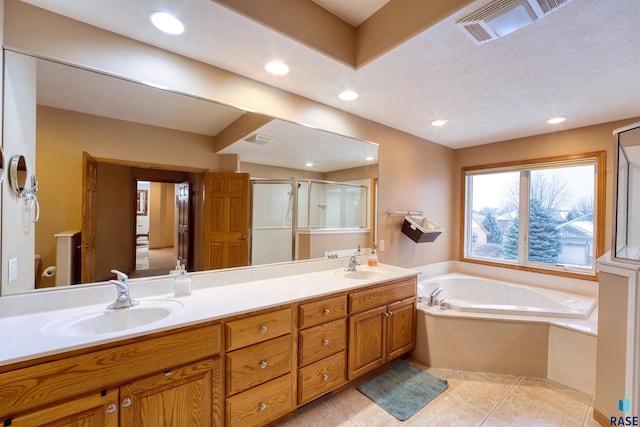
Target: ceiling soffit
{"points": [[317, 28]]}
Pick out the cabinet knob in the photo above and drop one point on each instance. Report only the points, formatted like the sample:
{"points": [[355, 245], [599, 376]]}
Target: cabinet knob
{"points": [[126, 402], [325, 377], [387, 314], [325, 341], [263, 406], [326, 312], [263, 364], [111, 408], [263, 329]]}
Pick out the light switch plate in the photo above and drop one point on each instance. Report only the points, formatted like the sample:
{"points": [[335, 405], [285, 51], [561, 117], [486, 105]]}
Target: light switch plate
{"points": [[13, 270]]}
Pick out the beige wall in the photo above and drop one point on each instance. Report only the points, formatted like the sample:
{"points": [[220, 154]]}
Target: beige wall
{"points": [[19, 138], [63, 135], [582, 140]]}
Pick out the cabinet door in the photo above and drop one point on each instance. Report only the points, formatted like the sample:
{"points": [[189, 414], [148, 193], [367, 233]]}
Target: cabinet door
{"points": [[97, 409], [181, 397], [401, 327], [367, 339]]}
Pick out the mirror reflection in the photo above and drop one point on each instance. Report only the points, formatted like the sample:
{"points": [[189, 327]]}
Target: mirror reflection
{"points": [[140, 179]]}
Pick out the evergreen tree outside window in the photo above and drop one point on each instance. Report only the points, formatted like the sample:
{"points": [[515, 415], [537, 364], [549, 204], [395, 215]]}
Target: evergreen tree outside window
{"points": [[543, 214]]}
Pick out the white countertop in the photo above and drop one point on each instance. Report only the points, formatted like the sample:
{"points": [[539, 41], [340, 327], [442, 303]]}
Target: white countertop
{"points": [[24, 334]]}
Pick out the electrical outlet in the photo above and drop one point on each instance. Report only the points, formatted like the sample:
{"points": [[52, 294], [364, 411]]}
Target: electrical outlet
{"points": [[381, 245], [13, 270]]}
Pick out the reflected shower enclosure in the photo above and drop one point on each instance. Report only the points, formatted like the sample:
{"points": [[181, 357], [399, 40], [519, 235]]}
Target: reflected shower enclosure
{"points": [[287, 216]]}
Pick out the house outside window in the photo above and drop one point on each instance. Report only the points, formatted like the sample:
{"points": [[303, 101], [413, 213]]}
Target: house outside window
{"points": [[543, 214]]}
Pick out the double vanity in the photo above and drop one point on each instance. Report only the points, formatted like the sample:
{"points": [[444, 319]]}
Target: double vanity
{"points": [[248, 347]]}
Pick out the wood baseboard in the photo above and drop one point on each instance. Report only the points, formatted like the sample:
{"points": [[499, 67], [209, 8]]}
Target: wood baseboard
{"points": [[601, 419]]}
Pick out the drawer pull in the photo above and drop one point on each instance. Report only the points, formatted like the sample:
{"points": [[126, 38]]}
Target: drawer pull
{"points": [[263, 364], [263, 329], [126, 402], [263, 406], [325, 341], [325, 377], [326, 312], [111, 408]]}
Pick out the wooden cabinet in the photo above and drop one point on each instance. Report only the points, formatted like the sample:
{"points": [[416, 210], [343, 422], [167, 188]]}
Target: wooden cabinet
{"points": [[138, 381], [381, 325], [95, 409], [248, 370], [258, 363], [322, 344], [180, 397]]}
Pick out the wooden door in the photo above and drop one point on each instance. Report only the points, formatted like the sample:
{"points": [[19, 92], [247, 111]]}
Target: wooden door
{"points": [[401, 328], [181, 397], [226, 220], [184, 224], [97, 409], [89, 187], [367, 341]]}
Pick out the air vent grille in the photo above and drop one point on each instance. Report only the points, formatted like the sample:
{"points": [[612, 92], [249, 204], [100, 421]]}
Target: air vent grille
{"points": [[478, 32], [550, 5], [489, 10], [479, 25]]}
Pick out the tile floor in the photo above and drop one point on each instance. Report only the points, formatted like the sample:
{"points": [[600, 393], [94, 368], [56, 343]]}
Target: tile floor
{"points": [[472, 399]]}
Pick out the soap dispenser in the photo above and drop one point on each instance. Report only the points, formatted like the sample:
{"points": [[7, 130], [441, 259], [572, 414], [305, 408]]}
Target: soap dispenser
{"points": [[182, 283], [372, 260], [177, 270]]}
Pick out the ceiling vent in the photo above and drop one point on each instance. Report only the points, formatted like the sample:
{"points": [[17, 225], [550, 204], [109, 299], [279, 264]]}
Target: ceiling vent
{"points": [[501, 17], [258, 138]]}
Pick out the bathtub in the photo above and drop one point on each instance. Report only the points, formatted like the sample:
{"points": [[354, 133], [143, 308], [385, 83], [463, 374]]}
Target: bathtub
{"points": [[472, 294]]}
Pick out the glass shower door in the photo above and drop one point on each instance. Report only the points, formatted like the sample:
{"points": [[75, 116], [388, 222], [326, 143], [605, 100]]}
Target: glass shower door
{"points": [[272, 221]]}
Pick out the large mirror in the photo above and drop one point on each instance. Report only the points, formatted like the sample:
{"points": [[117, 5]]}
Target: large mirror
{"points": [[125, 171]]}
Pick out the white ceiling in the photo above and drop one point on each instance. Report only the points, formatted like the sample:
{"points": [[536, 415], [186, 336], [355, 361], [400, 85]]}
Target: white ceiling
{"points": [[580, 62]]}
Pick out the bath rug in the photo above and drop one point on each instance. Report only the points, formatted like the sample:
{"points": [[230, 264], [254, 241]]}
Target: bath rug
{"points": [[403, 389]]}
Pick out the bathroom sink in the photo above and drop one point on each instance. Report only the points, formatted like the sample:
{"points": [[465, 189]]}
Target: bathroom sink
{"points": [[105, 321], [361, 274]]}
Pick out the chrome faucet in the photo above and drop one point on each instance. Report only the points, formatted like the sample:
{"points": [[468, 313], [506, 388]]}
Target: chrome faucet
{"points": [[432, 299], [353, 262], [124, 299]]}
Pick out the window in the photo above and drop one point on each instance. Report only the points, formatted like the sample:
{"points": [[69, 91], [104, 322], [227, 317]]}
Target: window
{"points": [[545, 214]]}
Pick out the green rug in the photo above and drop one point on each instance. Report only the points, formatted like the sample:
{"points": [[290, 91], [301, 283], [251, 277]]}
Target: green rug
{"points": [[403, 389]]}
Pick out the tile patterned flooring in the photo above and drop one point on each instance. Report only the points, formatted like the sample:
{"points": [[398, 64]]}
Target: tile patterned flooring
{"points": [[472, 399]]}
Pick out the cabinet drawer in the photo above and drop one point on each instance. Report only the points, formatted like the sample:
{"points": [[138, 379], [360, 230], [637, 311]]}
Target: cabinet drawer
{"points": [[257, 364], [315, 313], [382, 295], [321, 377], [261, 405], [255, 329], [321, 341]]}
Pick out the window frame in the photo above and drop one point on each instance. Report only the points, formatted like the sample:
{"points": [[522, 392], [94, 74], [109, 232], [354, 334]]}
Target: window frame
{"points": [[597, 158]]}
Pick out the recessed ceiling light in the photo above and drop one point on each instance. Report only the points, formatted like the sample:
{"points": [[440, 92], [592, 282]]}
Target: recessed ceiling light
{"points": [[308, 164], [348, 95], [166, 23], [439, 122], [277, 68], [556, 120], [369, 158]]}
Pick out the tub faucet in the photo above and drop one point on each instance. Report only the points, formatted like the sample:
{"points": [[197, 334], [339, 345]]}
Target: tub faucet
{"points": [[123, 300], [433, 297], [353, 262]]}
